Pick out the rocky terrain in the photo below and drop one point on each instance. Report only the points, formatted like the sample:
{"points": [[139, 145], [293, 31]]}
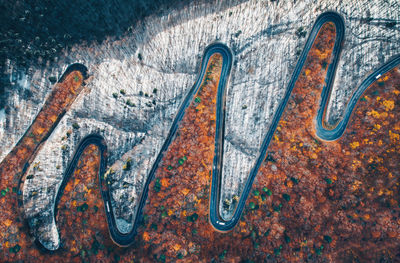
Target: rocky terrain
{"points": [[138, 79]]}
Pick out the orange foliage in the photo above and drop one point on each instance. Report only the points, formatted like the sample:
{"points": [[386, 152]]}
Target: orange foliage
{"points": [[313, 200]]}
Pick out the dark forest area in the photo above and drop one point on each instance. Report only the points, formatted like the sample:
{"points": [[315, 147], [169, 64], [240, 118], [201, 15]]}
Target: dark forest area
{"points": [[35, 32], [41, 29]]}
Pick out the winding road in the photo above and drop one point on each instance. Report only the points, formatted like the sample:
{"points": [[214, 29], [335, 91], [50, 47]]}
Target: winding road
{"points": [[126, 239], [225, 225]]}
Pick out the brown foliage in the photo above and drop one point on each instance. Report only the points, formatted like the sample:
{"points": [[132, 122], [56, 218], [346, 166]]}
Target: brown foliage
{"points": [[312, 201]]}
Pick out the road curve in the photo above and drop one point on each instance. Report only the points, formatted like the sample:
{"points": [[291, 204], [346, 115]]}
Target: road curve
{"points": [[325, 134], [126, 239], [118, 237], [227, 56]]}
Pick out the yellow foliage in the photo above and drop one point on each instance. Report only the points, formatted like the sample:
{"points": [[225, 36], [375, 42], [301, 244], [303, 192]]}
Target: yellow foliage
{"points": [[165, 182], [374, 114], [177, 247], [71, 88], [389, 104], [356, 185], [290, 184], [146, 236], [388, 192], [354, 145], [356, 164], [393, 136], [200, 107], [53, 118], [185, 191], [40, 130], [242, 226], [377, 127], [68, 188], [7, 222]]}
